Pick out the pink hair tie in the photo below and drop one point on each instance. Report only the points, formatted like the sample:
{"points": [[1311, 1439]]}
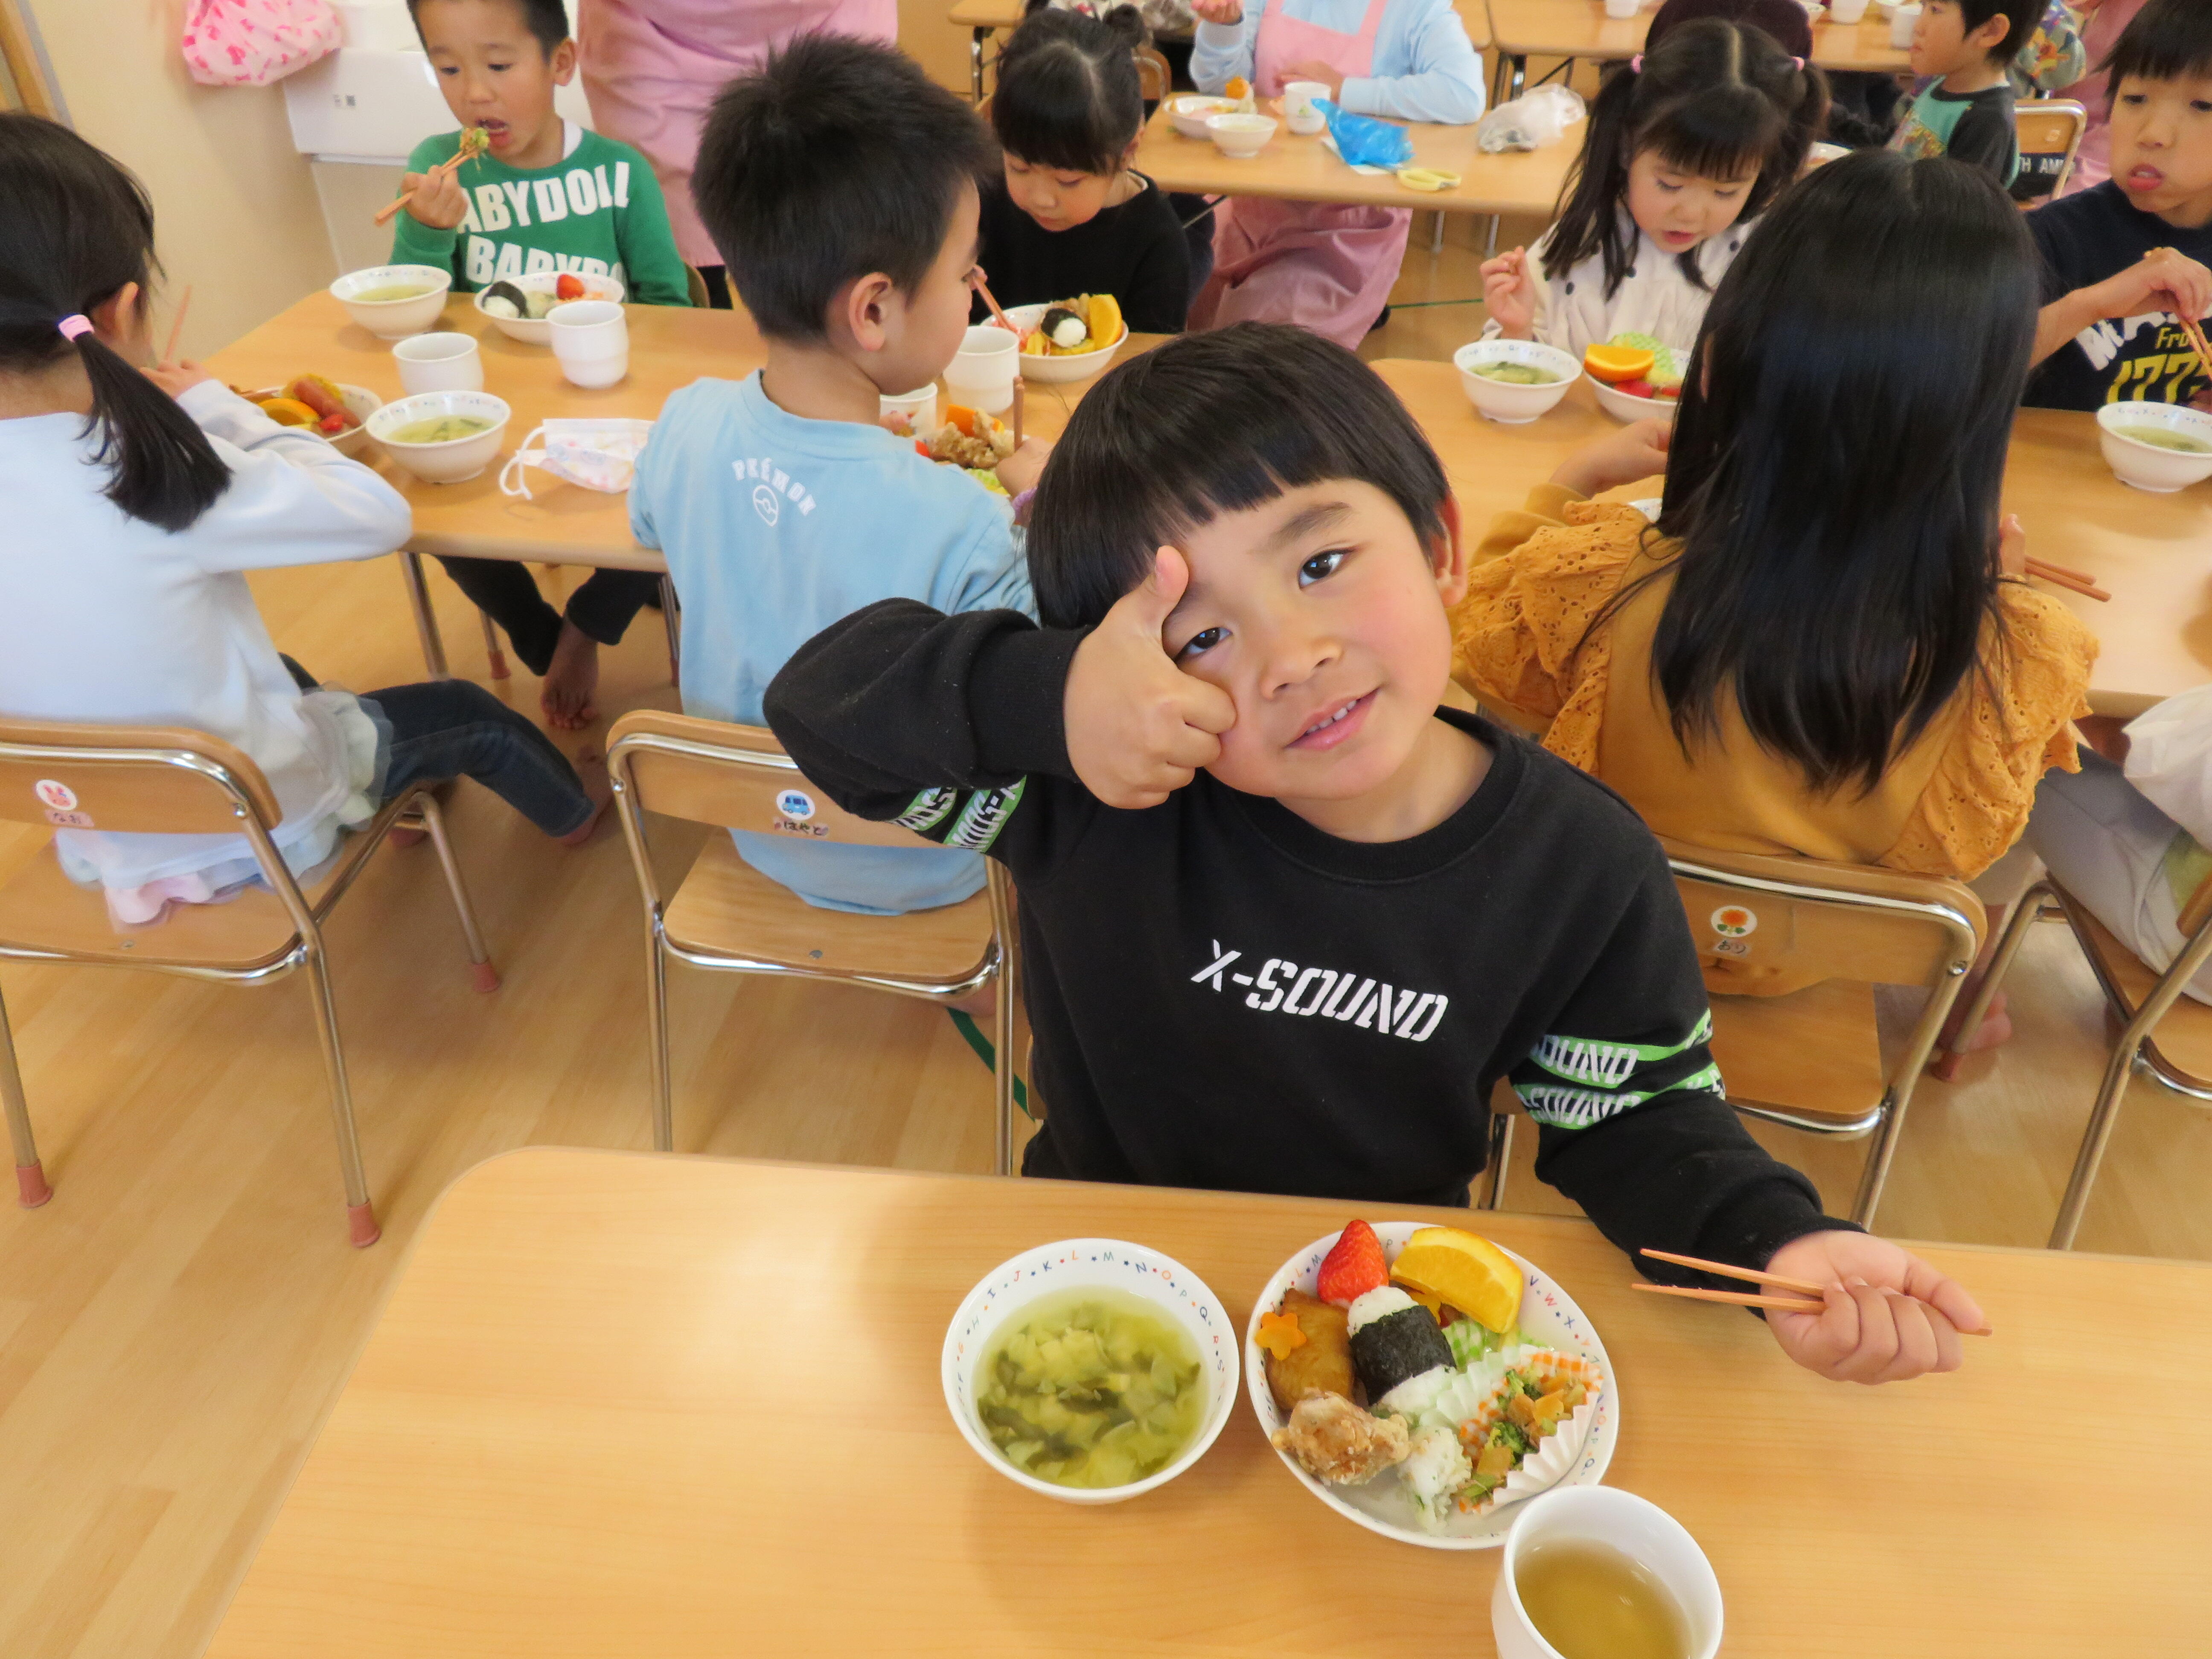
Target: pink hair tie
{"points": [[75, 327], [1798, 63], [1636, 65]]}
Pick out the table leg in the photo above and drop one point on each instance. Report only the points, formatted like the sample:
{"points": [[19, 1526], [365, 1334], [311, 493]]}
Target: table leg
{"points": [[1490, 238], [975, 39], [671, 619], [1520, 72], [426, 620], [1437, 240]]}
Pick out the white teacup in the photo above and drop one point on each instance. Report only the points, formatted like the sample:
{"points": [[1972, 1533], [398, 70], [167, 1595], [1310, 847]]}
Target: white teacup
{"points": [[440, 362], [1637, 1528], [1847, 11], [1621, 9], [591, 341], [1902, 23], [919, 406], [981, 372], [1298, 110]]}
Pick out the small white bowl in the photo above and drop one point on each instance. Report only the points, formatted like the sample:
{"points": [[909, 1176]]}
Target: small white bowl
{"points": [[2146, 466], [1190, 112], [1240, 138], [1080, 366], [539, 331], [360, 402], [1635, 1526], [1503, 402], [394, 319], [455, 460], [1077, 1264], [1624, 408]]}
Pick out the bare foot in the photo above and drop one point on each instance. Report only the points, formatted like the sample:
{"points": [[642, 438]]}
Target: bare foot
{"points": [[572, 680], [591, 773], [1995, 1031], [980, 1005]]}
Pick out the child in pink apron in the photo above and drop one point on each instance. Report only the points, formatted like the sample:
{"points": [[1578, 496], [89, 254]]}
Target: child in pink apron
{"points": [[1327, 266]]}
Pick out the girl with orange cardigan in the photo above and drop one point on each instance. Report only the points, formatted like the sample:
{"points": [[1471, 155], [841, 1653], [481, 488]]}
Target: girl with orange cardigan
{"points": [[1823, 646]]}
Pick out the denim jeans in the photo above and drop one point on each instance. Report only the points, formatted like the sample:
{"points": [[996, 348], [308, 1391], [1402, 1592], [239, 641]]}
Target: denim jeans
{"points": [[444, 729], [505, 590]]}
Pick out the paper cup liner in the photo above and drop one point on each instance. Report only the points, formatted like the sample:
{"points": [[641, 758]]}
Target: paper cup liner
{"points": [[1555, 1455]]}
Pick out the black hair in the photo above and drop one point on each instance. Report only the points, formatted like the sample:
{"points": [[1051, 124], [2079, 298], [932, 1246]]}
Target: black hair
{"points": [[2020, 16], [1206, 424], [2167, 40], [1834, 473], [1068, 95], [1713, 98], [546, 20], [75, 230], [839, 158]]}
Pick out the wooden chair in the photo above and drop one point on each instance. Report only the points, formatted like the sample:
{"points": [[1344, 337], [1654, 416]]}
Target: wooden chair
{"points": [[2140, 1001], [2050, 136], [164, 781], [695, 287], [1154, 78], [1811, 1058], [727, 915]]}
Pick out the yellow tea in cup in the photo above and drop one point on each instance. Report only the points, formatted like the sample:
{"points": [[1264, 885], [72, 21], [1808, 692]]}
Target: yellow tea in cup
{"points": [[1590, 1601]]}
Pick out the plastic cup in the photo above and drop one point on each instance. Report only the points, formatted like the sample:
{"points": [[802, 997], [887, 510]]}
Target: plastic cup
{"points": [[981, 372], [1637, 1528], [1902, 23], [1849, 12], [591, 341], [1298, 110], [919, 407], [440, 362]]}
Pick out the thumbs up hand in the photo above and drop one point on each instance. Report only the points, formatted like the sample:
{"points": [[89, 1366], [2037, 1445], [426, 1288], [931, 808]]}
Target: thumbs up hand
{"points": [[1139, 727]]}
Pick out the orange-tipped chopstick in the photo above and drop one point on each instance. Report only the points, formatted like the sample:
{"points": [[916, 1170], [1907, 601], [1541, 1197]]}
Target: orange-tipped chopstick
{"points": [[984, 289], [1728, 1270], [177, 328], [2073, 580]]}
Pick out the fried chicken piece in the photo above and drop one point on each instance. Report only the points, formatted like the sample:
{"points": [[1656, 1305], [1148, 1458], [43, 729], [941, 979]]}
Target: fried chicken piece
{"points": [[1337, 1442]]}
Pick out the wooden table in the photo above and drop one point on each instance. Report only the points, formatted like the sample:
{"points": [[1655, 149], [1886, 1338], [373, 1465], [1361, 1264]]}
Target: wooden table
{"points": [[672, 1407], [1301, 169], [1521, 29], [671, 346], [2152, 553]]}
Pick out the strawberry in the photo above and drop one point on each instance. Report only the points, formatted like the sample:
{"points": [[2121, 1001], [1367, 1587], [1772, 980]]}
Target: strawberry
{"points": [[567, 287], [1635, 388], [1673, 392], [1354, 1266]]}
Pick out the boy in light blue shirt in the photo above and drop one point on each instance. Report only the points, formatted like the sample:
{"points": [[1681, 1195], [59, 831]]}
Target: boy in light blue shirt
{"points": [[840, 184]]}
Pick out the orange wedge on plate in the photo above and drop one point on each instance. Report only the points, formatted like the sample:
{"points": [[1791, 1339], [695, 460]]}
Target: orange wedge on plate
{"points": [[1613, 363], [1468, 1272]]}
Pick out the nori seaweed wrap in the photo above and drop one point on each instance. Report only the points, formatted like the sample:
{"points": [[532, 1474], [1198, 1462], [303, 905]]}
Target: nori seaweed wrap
{"points": [[1391, 1343]]}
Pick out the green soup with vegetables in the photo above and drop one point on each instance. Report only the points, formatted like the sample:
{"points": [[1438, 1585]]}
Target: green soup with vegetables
{"points": [[392, 291], [1092, 1388], [2158, 437], [440, 428], [1516, 373]]}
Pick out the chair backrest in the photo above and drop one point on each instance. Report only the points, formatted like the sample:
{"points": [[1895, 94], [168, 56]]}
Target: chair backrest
{"points": [[156, 779], [695, 287], [1777, 924], [1154, 77], [736, 776], [2049, 132]]}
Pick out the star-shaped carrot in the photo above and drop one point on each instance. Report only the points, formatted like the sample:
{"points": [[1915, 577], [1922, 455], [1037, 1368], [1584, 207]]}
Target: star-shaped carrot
{"points": [[1280, 1332]]}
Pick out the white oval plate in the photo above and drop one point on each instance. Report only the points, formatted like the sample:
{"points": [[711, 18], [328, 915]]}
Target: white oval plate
{"points": [[1549, 1318]]}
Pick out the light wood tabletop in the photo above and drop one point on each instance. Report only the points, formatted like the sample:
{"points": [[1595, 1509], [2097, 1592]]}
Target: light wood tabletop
{"points": [[625, 1404], [1580, 28], [1299, 168], [2152, 553]]}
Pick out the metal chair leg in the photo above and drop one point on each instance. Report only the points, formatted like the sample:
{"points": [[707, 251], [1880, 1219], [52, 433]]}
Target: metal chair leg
{"points": [[31, 1187], [1002, 1078], [498, 657], [2028, 910], [426, 620], [1501, 1154], [656, 1020], [1898, 1099], [482, 972], [361, 1215]]}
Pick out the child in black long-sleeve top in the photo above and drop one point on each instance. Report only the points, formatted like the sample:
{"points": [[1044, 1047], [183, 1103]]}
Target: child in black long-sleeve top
{"points": [[1071, 215], [1285, 920]]}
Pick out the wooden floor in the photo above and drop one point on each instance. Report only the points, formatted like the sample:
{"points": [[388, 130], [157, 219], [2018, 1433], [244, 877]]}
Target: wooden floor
{"points": [[175, 1323]]}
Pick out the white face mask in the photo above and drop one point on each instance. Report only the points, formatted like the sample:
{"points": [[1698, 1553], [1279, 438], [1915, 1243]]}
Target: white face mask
{"points": [[598, 454]]}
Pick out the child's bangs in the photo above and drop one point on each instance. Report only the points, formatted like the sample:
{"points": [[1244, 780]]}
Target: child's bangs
{"points": [[1726, 133], [1207, 424], [1051, 117]]}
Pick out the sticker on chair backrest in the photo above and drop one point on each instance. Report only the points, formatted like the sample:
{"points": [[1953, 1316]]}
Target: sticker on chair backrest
{"points": [[795, 803], [1734, 922], [60, 803]]}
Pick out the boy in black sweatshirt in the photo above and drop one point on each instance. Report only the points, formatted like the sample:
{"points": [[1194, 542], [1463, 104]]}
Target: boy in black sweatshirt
{"points": [[1286, 920]]}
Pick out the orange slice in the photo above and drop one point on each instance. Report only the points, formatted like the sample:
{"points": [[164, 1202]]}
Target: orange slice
{"points": [[1613, 363]]}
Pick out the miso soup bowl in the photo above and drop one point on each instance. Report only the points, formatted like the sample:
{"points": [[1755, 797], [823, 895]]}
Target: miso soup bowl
{"points": [[1239, 137], [456, 459], [1501, 401], [394, 319], [1635, 1526], [1080, 1264], [2146, 466]]}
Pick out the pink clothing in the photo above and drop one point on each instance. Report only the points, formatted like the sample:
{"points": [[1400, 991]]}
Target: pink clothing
{"points": [[1327, 266], [653, 67], [2100, 33]]}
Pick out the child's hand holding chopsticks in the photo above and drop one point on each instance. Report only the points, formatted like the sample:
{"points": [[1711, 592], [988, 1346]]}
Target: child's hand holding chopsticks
{"points": [[1888, 1316]]}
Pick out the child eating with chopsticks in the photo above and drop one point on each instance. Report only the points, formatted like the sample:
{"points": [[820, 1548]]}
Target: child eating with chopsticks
{"points": [[1287, 920], [2125, 264], [1823, 646], [544, 195]]}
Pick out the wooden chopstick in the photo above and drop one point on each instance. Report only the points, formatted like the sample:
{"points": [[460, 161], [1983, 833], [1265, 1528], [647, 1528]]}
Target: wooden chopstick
{"points": [[984, 289], [2194, 331], [1730, 1270], [444, 168], [177, 328], [2065, 570], [2059, 577], [1787, 1304]]}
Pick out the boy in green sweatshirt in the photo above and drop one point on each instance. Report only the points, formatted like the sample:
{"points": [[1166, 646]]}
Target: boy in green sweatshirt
{"points": [[544, 195]]}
